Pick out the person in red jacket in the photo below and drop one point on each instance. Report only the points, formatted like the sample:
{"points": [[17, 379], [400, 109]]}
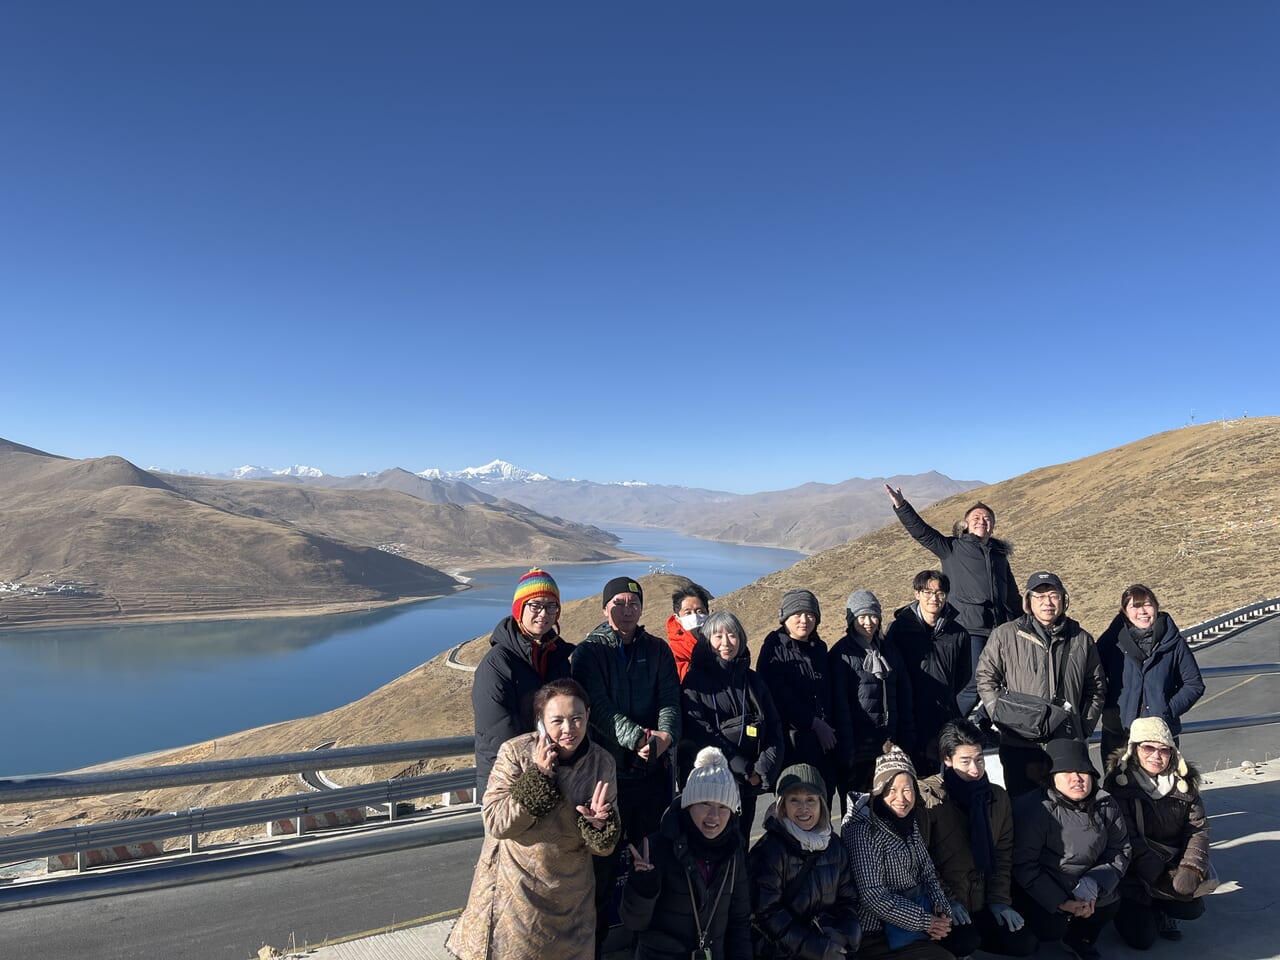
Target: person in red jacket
{"points": [[690, 606]]}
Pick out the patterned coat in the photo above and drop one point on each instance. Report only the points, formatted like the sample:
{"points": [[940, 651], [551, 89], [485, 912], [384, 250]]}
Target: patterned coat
{"points": [[885, 868], [534, 887]]}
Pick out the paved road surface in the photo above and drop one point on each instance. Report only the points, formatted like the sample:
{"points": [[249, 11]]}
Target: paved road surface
{"points": [[234, 918]]}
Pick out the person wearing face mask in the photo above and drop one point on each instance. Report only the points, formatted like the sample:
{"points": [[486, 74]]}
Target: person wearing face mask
{"points": [[689, 608], [1070, 849], [1040, 679], [804, 903], [688, 891], [795, 666], [903, 909], [525, 651], [967, 824], [871, 691], [1150, 669], [728, 706]]}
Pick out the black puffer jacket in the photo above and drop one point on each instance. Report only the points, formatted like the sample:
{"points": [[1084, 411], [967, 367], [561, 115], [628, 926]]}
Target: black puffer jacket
{"points": [[938, 663], [728, 706], [870, 711], [1056, 841], [798, 676], [983, 589], [659, 903], [825, 896], [502, 693]]}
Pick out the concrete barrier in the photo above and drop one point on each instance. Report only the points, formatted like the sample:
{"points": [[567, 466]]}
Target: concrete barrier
{"points": [[104, 855], [317, 821]]}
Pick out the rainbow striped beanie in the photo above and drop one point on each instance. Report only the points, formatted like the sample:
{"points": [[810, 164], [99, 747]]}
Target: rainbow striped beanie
{"points": [[535, 583]]}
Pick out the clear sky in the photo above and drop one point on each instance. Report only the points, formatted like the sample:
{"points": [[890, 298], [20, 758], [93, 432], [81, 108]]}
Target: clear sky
{"points": [[723, 244]]}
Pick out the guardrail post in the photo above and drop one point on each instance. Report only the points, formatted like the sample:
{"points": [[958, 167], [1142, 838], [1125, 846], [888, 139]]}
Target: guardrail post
{"points": [[82, 861], [193, 842], [299, 824]]}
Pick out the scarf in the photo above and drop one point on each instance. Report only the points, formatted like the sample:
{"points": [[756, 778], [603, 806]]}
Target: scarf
{"points": [[811, 841], [902, 826], [709, 852], [873, 661], [1144, 640], [540, 653], [1154, 787], [973, 797]]}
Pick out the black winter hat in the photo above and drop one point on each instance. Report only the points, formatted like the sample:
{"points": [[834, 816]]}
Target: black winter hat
{"points": [[620, 585], [1069, 756]]}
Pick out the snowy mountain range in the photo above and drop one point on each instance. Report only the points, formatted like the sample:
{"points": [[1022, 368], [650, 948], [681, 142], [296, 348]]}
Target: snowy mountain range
{"points": [[493, 471]]}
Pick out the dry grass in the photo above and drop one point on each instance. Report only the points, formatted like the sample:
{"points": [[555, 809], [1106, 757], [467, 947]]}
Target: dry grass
{"points": [[1194, 513]]}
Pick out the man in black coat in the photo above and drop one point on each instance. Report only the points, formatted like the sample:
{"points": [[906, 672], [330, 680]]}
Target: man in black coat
{"points": [[525, 652], [983, 589], [935, 651]]}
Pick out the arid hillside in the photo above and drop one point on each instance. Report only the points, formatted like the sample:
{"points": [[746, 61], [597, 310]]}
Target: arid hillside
{"points": [[808, 518], [1194, 513], [102, 540]]}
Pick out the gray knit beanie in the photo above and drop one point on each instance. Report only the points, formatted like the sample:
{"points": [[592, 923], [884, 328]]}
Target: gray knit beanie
{"points": [[799, 601], [863, 601]]}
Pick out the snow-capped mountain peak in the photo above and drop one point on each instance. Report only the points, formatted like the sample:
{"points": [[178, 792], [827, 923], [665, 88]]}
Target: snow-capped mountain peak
{"points": [[492, 472], [298, 470]]}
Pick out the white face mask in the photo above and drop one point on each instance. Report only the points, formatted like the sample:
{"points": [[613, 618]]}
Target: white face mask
{"points": [[692, 621]]}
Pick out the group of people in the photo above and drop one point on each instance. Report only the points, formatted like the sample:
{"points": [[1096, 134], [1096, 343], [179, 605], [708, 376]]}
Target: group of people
{"points": [[623, 773]]}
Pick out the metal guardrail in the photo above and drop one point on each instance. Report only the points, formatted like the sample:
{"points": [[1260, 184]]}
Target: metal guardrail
{"points": [[1231, 619], [191, 823], [61, 786]]}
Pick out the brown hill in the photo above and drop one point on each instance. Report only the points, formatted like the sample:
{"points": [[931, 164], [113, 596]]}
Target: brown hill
{"points": [[1194, 513], [448, 535], [808, 518], [101, 539]]}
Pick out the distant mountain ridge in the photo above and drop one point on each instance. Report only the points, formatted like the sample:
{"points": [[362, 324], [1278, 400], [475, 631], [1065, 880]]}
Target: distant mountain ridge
{"points": [[101, 539], [810, 517], [1193, 513]]}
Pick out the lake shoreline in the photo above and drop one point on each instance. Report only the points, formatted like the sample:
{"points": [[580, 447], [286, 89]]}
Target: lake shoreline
{"points": [[73, 613]]}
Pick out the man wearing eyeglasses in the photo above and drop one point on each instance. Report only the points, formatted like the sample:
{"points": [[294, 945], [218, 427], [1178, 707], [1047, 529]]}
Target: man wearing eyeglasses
{"points": [[935, 650], [630, 678], [525, 651], [1040, 679]]}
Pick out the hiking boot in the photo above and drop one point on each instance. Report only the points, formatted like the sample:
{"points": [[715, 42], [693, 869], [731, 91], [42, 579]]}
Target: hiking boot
{"points": [[1083, 949], [1168, 927]]}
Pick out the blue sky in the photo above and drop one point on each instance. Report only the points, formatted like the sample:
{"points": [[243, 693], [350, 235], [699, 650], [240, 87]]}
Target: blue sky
{"points": [[731, 245]]}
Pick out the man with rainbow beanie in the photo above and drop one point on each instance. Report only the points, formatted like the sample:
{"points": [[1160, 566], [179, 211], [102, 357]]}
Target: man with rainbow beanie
{"points": [[525, 652]]}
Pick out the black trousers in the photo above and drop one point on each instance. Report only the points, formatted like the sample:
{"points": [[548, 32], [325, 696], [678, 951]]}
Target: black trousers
{"points": [[1055, 925], [987, 934], [1023, 768], [641, 803], [1138, 923]]}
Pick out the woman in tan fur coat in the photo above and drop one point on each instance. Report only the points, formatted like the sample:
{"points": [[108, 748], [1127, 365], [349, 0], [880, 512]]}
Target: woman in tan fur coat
{"points": [[549, 806]]}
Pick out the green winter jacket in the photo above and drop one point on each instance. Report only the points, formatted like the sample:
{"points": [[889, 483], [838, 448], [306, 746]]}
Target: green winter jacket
{"points": [[633, 687]]}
